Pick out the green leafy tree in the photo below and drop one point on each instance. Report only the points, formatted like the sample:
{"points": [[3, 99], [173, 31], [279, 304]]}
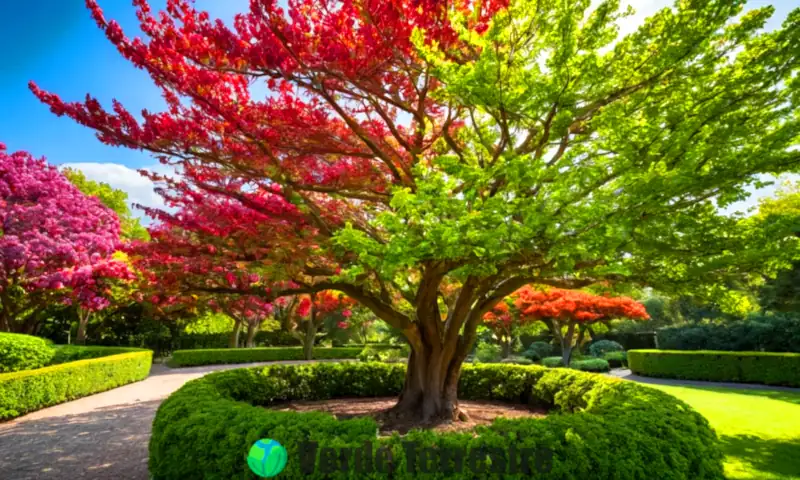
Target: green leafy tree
{"points": [[782, 293], [428, 162], [115, 199]]}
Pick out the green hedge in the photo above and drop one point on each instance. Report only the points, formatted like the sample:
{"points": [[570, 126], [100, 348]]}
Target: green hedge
{"points": [[29, 390], [616, 359], [71, 353], [23, 352], [744, 367], [599, 427], [213, 356]]}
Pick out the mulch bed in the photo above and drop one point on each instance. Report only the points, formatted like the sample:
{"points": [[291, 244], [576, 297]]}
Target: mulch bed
{"points": [[480, 413]]}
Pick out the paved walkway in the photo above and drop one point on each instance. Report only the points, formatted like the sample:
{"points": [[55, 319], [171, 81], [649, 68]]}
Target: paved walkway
{"points": [[101, 436], [626, 374]]}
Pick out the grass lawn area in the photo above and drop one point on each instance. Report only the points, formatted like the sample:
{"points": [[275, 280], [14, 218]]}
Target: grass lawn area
{"points": [[760, 430]]}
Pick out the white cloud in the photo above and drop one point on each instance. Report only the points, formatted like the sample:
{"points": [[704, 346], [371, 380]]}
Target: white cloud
{"points": [[138, 187]]}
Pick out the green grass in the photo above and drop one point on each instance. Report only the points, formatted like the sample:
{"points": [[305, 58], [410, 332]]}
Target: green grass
{"points": [[759, 430]]}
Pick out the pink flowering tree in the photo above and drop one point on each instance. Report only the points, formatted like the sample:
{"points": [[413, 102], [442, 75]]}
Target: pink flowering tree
{"points": [[55, 243]]}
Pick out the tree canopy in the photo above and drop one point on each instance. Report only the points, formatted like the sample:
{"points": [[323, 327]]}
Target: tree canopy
{"points": [[429, 158]]}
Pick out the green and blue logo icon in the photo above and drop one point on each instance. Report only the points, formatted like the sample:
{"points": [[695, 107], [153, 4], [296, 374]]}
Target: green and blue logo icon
{"points": [[267, 458]]}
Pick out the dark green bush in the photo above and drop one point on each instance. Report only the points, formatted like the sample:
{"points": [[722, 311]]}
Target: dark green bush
{"points": [[517, 360], [213, 356], [601, 427], [744, 367], [23, 352], [759, 332], [616, 359], [590, 365], [552, 362], [601, 347], [29, 390], [538, 350], [487, 352], [391, 353]]}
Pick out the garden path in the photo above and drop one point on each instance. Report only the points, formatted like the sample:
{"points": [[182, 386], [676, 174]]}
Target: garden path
{"points": [[102, 436]]}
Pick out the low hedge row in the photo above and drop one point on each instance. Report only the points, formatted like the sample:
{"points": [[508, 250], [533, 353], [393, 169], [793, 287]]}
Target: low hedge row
{"points": [[71, 353], [29, 390], [213, 356], [23, 352], [599, 427], [744, 367]]}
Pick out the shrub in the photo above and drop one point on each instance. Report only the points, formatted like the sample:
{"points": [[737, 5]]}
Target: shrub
{"points": [[759, 332], [29, 390], [601, 347], [745, 367], [487, 352], [23, 352], [590, 365], [607, 429], [516, 360], [213, 356], [538, 350], [71, 353], [616, 359], [384, 353], [552, 362]]}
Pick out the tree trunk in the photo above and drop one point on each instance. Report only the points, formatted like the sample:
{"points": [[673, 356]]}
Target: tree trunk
{"points": [[252, 329], [233, 341], [505, 343], [309, 336], [566, 344], [83, 321]]}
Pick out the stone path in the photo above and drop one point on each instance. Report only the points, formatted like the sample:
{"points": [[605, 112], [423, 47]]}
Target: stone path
{"points": [[101, 436], [626, 374]]}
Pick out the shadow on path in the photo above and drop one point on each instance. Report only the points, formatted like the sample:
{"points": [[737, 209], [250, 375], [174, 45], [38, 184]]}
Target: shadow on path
{"points": [[106, 443]]}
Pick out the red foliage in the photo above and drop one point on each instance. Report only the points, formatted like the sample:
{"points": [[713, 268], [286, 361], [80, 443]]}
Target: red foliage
{"points": [[573, 305]]}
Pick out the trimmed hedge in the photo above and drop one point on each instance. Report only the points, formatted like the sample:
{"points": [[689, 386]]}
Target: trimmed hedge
{"points": [[599, 427], [601, 347], [29, 390], [616, 359], [384, 353], [23, 352], [214, 356], [590, 365], [743, 367], [72, 353], [759, 332]]}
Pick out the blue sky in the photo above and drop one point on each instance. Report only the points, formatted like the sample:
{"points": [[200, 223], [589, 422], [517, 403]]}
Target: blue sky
{"points": [[56, 44]]}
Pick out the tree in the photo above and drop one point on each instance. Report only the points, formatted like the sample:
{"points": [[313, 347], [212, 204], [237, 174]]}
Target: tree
{"points": [[55, 243], [504, 321], [404, 149], [246, 311], [782, 293], [565, 310], [91, 289], [304, 315], [116, 200]]}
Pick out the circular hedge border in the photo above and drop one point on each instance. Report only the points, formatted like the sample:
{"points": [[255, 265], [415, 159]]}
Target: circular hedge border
{"points": [[598, 427]]}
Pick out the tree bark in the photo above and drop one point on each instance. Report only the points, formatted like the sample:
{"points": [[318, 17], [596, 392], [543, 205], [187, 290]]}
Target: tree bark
{"points": [[566, 344], [233, 341], [83, 321], [505, 343], [252, 329]]}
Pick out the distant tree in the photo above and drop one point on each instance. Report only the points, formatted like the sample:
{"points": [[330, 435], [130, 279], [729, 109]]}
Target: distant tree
{"points": [[56, 244], [782, 293], [566, 311]]}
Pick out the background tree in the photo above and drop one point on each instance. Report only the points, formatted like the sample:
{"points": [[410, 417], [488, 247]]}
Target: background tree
{"points": [[55, 242], [568, 312], [504, 321], [782, 293], [480, 146]]}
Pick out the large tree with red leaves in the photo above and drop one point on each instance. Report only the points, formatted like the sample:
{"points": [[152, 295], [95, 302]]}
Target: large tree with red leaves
{"points": [[55, 244], [566, 311], [407, 147]]}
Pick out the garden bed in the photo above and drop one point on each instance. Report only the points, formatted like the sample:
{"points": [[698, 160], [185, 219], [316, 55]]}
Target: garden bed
{"points": [[597, 427]]}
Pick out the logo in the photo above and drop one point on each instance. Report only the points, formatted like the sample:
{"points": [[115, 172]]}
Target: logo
{"points": [[267, 458]]}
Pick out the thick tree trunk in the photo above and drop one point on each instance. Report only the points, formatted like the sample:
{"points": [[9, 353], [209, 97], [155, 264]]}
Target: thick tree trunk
{"points": [[308, 339], [83, 321], [252, 329], [233, 341]]}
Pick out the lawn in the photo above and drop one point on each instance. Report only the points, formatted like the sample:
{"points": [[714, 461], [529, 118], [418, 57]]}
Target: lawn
{"points": [[760, 430]]}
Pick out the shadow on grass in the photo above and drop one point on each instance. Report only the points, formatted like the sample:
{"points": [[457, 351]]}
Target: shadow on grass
{"points": [[775, 456], [781, 396]]}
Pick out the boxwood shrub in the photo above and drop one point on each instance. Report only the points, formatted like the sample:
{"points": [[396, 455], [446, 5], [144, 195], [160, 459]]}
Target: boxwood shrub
{"points": [[23, 352], [29, 390], [213, 356], [745, 367], [616, 359], [599, 427]]}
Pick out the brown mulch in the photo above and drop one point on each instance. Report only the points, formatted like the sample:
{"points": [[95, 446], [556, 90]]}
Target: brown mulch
{"points": [[480, 413]]}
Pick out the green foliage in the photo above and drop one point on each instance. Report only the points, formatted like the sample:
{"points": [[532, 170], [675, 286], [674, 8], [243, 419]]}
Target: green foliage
{"points": [[209, 323], [616, 359], [29, 390], [608, 429], [743, 367], [214, 356], [552, 362], [601, 347], [590, 365], [71, 353], [516, 360], [23, 352], [760, 332], [538, 350], [383, 353], [115, 199], [487, 352]]}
